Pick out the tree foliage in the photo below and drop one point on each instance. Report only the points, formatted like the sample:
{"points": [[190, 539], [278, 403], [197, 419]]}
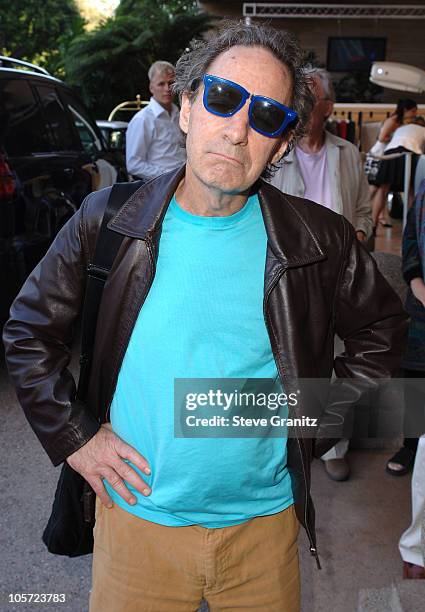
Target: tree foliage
{"points": [[110, 63], [38, 30]]}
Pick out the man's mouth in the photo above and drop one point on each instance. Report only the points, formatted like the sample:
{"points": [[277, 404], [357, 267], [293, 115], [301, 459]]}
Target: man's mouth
{"points": [[228, 157]]}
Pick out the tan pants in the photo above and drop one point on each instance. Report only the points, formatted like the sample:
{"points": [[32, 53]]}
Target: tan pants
{"points": [[139, 566]]}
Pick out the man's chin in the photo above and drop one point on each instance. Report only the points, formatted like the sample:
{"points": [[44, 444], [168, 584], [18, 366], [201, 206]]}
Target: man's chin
{"points": [[226, 166], [219, 175], [226, 186]]}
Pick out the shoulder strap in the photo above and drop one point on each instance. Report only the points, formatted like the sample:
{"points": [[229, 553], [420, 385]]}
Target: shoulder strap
{"points": [[107, 245]]}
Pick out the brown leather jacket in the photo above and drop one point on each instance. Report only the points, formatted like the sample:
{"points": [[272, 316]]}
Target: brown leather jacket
{"points": [[318, 281]]}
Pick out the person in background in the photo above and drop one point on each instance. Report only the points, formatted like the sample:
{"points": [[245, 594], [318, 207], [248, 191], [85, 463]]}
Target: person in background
{"points": [[328, 170], [412, 542], [408, 138], [413, 364], [325, 168], [412, 454], [154, 143], [405, 112]]}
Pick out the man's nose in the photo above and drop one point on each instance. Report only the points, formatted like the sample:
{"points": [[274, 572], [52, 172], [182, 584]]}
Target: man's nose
{"points": [[237, 126]]}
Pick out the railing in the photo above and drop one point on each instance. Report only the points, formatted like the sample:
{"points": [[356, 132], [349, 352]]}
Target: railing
{"points": [[370, 112], [129, 106], [304, 10], [362, 114]]}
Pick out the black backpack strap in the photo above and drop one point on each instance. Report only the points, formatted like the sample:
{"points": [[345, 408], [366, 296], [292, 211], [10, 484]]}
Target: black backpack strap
{"points": [[107, 245]]}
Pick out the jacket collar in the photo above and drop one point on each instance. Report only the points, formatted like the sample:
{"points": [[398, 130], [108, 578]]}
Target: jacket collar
{"points": [[290, 237], [158, 110]]}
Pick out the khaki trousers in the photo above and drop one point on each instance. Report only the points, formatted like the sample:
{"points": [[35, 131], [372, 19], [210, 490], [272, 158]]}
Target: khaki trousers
{"points": [[139, 566]]}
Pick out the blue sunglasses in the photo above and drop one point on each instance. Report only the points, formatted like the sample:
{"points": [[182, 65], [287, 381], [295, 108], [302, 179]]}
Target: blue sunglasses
{"points": [[266, 116]]}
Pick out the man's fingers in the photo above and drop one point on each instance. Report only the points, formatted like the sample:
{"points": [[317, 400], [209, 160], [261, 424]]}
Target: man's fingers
{"points": [[128, 452], [101, 493], [118, 485], [103, 456], [131, 476]]}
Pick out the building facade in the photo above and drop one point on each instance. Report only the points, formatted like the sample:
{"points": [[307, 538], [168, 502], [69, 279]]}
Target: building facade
{"points": [[338, 34]]}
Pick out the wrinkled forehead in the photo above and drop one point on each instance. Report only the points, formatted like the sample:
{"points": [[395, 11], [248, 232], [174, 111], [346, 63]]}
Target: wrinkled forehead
{"points": [[256, 69]]}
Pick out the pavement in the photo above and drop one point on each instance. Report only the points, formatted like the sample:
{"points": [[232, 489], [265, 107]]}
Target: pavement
{"points": [[359, 523]]}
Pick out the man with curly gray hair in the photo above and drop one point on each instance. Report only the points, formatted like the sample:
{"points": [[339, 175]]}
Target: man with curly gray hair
{"points": [[219, 277]]}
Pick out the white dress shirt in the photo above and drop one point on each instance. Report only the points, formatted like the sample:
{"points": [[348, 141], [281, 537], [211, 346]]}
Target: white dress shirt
{"points": [[154, 142]]}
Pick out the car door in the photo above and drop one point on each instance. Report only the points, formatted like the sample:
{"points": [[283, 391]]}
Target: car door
{"points": [[68, 163], [43, 195], [109, 166]]}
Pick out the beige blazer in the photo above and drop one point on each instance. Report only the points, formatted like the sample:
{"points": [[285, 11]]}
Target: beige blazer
{"points": [[349, 186]]}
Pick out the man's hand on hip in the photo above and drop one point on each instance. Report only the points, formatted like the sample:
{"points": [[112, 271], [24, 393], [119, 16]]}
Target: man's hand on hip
{"points": [[103, 457]]}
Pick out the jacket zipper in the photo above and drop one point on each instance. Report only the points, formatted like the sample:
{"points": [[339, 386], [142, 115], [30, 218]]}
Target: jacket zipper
{"points": [[313, 548], [130, 331]]}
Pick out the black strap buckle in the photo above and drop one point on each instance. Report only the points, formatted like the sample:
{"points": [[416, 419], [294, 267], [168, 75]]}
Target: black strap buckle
{"points": [[96, 272]]}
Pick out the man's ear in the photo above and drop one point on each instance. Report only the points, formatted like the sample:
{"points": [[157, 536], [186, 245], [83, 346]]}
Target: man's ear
{"points": [[185, 109], [280, 149], [150, 88]]}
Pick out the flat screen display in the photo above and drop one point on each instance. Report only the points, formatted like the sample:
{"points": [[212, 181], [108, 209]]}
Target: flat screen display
{"points": [[346, 54]]}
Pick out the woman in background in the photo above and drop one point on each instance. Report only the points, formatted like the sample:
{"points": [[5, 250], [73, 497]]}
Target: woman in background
{"points": [[405, 112], [413, 268], [412, 542]]}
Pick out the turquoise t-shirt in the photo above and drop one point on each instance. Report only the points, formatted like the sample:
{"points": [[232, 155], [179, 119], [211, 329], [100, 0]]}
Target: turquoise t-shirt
{"points": [[203, 318]]}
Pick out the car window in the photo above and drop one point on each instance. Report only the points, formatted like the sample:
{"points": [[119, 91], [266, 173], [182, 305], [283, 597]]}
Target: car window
{"points": [[23, 129], [117, 139], [57, 117], [87, 133], [114, 138]]}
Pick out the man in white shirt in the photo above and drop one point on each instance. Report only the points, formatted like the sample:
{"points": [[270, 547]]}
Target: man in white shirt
{"points": [[328, 170], [154, 143]]}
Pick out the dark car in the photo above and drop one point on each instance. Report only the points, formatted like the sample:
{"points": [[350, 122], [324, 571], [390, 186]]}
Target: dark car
{"points": [[113, 133], [52, 155]]}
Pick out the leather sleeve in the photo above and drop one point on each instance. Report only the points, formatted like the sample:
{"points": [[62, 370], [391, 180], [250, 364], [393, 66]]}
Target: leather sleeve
{"points": [[371, 320], [39, 334]]}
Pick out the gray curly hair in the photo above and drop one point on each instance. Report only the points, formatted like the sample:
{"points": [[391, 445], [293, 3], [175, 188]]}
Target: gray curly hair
{"points": [[193, 64]]}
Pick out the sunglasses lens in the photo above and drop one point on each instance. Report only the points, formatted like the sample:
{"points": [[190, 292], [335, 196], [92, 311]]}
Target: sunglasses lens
{"points": [[267, 117], [223, 99]]}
